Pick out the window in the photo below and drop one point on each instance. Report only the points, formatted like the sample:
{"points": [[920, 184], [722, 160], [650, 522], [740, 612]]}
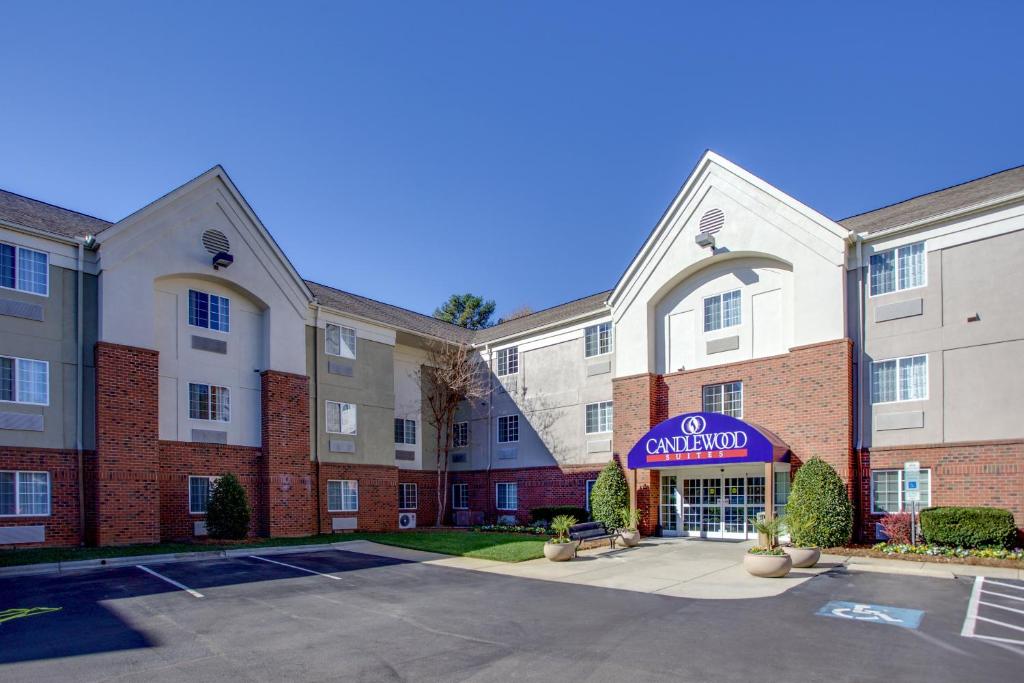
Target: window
{"points": [[341, 418], [460, 435], [897, 269], [208, 310], [199, 491], [342, 495], [508, 361], [887, 491], [407, 496], [507, 496], [460, 496], [598, 340], [24, 381], [24, 494], [599, 417], [899, 379], [405, 431], [208, 402], [341, 341], [722, 310], [24, 269], [508, 429], [724, 398], [590, 489]]}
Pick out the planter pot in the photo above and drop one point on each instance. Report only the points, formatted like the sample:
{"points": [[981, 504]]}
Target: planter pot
{"points": [[559, 552], [803, 557], [629, 539], [767, 566]]}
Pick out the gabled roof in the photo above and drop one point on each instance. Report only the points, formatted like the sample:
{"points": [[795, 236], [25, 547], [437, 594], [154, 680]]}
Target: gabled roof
{"points": [[32, 213], [595, 303], [939, 202]]}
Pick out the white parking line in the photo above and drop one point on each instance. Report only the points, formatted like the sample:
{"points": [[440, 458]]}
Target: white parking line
{"points": [[1007, 585], [193, 593], [1008, 609], [292, 566], [1004, 595], [971, 617], [974, 605]]}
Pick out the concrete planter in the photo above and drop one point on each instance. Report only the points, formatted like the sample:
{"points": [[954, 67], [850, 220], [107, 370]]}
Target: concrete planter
{"points": [[559, 552], [803, 557], [629, 539], [767, 566]]}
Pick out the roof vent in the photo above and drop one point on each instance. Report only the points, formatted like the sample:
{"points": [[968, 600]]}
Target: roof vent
{"points": [[712, 221], [216, 242]]}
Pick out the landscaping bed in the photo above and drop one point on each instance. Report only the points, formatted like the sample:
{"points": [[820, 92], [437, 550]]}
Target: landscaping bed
{"points": [[920, 553]]}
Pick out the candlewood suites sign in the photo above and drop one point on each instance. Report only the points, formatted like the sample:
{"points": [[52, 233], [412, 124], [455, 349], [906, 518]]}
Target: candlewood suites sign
{"points": [[702, 438]]}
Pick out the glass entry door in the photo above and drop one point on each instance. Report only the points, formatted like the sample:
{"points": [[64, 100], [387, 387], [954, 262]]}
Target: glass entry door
{"points": [[717, 506]]}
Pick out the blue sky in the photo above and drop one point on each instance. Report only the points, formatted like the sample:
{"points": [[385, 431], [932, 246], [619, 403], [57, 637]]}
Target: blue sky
{"points": [[522, 151]]}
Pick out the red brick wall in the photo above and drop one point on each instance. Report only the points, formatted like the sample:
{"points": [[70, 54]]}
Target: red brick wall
{"points": [[804, 396], [127, 492], [974, 474], [378, 496], [63, 523], [179, 460], [287, 469]]}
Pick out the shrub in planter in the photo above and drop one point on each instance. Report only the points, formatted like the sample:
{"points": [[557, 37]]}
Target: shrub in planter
{"points": [[962, 527], [546, 514], [560, 548], [609, 495], [227, 515], [897, 527], [819, 513]]}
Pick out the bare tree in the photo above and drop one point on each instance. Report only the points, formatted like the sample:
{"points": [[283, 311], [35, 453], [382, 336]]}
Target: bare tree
{"points": [[449, 377]]}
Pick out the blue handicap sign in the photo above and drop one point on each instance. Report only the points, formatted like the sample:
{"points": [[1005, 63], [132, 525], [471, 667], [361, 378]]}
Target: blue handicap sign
{"points": [[911, 485], [874, 614]]}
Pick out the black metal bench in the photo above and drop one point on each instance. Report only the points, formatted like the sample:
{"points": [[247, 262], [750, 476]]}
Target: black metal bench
{"points": [[591, 531]]}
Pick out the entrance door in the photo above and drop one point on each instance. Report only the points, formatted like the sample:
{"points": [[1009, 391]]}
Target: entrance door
{"points": [[718, 506]]}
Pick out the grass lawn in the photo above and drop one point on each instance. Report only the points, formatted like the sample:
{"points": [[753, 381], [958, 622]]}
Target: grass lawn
{"points": [[488, 546]]}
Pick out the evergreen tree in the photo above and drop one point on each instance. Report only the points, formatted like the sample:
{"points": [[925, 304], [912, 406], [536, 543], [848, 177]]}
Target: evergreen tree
{"points": [[609, 495], [819, 513], [227, 515], [466, 310]]}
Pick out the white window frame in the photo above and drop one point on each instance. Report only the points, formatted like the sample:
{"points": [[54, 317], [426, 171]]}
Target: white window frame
{"points": [[403, 496], [456, 428], [17, 360], [721, 308], [17, 494], [341, 418], [899, 482], [899, 385], [588, 486], [213, 482], [598, 330], [605, 412], [498, 430], [497, 495], [721, 386], [344, 483], [17, 255], [896, 270], [405, 431], [209, 296], [508, 357], [455, 497], [209, 396], [343, 332]]}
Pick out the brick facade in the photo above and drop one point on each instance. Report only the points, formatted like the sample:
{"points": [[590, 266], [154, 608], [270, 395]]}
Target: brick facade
{"points": [[286, 467], [378, 496], [126, 488], [62, 525]]}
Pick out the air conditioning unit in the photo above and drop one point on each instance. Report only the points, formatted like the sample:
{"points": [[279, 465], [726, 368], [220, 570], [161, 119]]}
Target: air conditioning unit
{"points": [[407, 520], [199, 528]]}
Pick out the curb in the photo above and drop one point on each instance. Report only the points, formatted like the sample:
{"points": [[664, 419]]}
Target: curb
{"points": [[132, 560]]}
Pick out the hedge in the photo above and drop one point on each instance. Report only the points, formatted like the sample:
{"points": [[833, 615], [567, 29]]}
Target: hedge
{"points": [[818, 513], [962, 527], [609, 495], [546, 514]]}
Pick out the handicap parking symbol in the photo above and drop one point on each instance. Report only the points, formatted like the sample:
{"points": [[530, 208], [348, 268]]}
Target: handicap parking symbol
{"points": [[874, 614]]}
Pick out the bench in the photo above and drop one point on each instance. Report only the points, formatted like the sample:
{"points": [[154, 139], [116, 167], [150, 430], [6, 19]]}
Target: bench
{"points": [[591, 531]]}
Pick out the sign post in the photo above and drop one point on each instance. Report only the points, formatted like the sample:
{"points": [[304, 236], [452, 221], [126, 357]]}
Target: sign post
{"points": [[912, 494]]}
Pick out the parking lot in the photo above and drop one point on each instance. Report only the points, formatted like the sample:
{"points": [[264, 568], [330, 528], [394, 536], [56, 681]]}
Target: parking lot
{"points": [[337, 615]]}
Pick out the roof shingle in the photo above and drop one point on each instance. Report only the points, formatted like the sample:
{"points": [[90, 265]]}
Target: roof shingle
{"points": [[32, 213]]}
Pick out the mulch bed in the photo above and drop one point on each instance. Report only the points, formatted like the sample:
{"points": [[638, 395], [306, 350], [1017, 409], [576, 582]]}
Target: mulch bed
{"points": [[867, 551]]}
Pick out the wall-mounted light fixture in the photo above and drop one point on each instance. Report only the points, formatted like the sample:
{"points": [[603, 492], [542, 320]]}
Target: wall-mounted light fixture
{"points": [[705, 239], [222, 259]]}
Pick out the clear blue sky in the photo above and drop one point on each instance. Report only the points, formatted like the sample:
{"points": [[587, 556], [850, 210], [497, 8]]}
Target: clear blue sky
{"points": [[522, 150]]}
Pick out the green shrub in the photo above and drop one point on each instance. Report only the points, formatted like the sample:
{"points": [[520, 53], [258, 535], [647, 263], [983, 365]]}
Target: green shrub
{"points": [[819, 513], [549, 513], [561, 525], [609, 495], [968, 527], [227, 515]]}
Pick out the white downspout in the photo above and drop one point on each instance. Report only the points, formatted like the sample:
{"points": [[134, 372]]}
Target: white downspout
{"points": [[860, 344], [80, 389]]}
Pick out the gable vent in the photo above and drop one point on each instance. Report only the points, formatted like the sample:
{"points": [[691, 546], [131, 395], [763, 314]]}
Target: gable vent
{"points": [[216, 242], [712, 221]]}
